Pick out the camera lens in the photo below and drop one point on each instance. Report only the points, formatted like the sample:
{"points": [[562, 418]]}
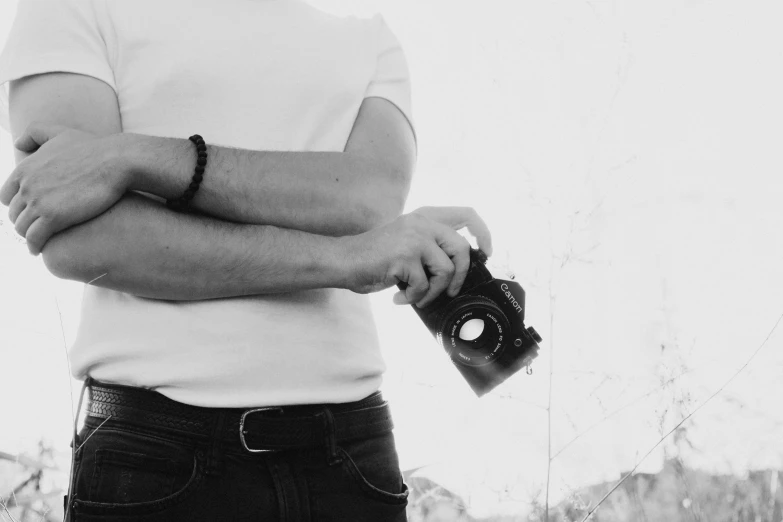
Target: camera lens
{"points": [[473, 331]]}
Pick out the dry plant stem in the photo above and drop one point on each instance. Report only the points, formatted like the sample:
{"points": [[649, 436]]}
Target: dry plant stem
{"points": [[91, 282], [549, 398], [615, 412], [70, 392], [91, 434], [5, 509], [589, 513], [67, 359]]}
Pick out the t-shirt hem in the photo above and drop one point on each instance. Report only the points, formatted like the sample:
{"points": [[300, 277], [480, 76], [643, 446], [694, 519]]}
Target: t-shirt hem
{"points": [[408, 117]]}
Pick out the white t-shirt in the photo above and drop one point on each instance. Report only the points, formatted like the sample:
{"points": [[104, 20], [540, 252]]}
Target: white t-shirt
{"points": [[251, 74]]}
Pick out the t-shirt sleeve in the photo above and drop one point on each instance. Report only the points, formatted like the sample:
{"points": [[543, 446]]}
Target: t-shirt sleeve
{"points": [[49, 36], [391, 79]]}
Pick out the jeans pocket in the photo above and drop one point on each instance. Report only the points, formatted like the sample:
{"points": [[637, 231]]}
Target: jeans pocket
{"points": [[124, 473], [373, 465], [121, 477]]}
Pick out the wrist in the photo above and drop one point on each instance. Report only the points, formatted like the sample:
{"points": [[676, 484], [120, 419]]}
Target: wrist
{"points": [[338, 261], [132, 163]]}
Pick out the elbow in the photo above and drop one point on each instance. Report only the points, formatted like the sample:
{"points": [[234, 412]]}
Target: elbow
{"points": [[56, 260], [63, 261], [385, 201], [377, 210]]}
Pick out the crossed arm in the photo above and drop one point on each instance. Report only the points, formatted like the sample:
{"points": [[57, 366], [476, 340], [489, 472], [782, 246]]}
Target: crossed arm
{"points": [[330, 193], [265, 217]]}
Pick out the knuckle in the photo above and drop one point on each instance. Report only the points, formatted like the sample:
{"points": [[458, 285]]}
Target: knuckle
{"points": [[420, 291], [415, 243], [410, 257], [416, 219], [34, 204], [411, 245]]}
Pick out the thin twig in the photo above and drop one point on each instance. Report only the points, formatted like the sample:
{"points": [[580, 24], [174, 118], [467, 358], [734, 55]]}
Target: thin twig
{"points": [[44, 513], [615, 412], [549, 398], [67, 359], [70, 393], [589, 513], [5, 508], [91, 282], [91, 434]]}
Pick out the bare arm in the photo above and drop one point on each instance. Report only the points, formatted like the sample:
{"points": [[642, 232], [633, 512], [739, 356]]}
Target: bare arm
{"points": [[332, 193], [170, 240], [140, 247]]}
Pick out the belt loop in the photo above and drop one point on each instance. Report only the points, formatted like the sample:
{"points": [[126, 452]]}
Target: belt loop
{"points": [[332, 456], [215, 460]]}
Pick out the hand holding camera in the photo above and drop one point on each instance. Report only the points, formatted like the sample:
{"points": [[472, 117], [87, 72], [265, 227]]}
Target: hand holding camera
{"points": [[477, 319], [421, 249]]}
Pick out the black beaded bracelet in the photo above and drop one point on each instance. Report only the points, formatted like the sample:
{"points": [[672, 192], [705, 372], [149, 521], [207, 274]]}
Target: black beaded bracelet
{"points": [[181, 204]]}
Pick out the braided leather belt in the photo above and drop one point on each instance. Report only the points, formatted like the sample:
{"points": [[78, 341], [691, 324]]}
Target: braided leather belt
{"points": [[254, 430]]}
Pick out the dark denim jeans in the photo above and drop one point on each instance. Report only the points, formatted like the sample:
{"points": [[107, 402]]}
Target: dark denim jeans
{"points": [[132, 473]]}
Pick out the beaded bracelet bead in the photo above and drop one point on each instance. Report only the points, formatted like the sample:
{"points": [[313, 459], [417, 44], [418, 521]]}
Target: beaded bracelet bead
{"points": [[181, 204]]}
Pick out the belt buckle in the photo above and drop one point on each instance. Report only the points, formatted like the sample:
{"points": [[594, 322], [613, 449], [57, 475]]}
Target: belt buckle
{"points": [[242, 427]]}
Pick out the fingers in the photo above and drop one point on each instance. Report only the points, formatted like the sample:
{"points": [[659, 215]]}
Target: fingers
{"points": [[33, 228], [399, 298], [421, 289], [458, 250], [36, 134], [423, 250], [9, 189], [28, 224], [24, 220], [441, 271], [15, 208], [462, 217], [446, 260], [480, 231], [37, 235], [418, 284]]}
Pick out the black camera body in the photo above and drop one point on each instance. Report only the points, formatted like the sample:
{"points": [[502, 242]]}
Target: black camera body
{"points": [[494, 307]]}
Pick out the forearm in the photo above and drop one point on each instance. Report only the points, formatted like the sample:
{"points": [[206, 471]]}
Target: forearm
{"points": [[142, 248], [328, 193]]}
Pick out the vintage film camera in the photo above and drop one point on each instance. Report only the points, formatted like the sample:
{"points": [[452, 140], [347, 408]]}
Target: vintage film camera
{"points": [[482, 328]]}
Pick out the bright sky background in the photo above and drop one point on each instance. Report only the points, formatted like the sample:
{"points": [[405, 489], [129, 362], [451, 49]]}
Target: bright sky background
{"points": [[627, 158]]}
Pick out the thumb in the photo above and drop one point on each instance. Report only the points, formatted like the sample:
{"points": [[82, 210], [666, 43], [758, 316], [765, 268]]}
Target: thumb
{"points": [[399, 298], [36, 134]]}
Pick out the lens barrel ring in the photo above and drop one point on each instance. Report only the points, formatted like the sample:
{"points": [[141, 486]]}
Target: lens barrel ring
{"points": [[488, 346]]}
